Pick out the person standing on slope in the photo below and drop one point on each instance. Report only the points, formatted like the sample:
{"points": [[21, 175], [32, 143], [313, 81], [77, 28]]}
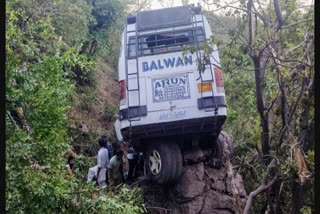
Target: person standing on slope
{"points": [[132, 159], [108, 146], [115, 169], [69, 165], [99, 171]]}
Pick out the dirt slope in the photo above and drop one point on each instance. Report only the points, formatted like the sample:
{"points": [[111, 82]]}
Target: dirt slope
{"points": [[92, 113]]}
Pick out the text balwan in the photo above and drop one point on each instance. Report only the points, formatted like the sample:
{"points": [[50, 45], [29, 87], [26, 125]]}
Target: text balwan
{"points": [[166, 63]]}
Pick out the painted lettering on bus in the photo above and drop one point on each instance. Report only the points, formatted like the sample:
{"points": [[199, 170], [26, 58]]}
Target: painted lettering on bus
{"points": [[166, 63], [170, 81]]}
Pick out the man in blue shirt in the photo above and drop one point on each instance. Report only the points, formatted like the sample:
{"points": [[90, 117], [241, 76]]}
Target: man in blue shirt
{"points": [[132, 157], [109, 147]]}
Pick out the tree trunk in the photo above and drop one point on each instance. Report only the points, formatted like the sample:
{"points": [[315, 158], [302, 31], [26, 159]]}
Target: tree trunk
{"points": [[260, 68], [85, 47], [284, 110], [93, 47], [299, 197]]}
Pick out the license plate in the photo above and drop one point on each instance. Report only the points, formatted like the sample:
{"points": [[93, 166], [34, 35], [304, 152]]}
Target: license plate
{"points": [[175, 87], [206, 86]]}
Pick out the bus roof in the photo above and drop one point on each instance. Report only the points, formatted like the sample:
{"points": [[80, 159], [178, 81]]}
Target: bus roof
{"points": [[154, 19]]}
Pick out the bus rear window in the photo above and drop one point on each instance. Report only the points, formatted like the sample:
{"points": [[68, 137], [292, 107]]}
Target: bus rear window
{"points": [[165, 42]]}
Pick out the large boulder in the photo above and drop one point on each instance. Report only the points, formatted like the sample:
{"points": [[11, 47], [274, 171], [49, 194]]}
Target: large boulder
{"points": [[203, 188], [193, 206], [200, 190], [190, 184], [194, 156]]}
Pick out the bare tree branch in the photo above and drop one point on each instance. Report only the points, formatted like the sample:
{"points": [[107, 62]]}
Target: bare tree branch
{"points": [[278, 14], [266, 24], [228, 5], [12, 120], [294, 107], [296, 47], [263, 187], [249, 6], [296, 23]]}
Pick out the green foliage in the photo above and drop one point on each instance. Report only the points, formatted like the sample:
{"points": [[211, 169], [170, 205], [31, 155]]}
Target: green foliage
{"points": [[82, 68], [310, 159], [110, 111], [43, 67], [71, 20], [88, 98], [40, 85], [122, 200], [109, 17], [286, 71], [306, 210]]}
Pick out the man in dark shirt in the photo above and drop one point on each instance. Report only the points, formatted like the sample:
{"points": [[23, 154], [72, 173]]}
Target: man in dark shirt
{"points": [[108, 146], [69, 165], [132, 157]]}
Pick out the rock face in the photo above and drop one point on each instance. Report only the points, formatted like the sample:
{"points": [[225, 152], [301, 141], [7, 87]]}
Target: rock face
{"points": [[200, 190], [84, 129], [194, 156], [184, 192]]}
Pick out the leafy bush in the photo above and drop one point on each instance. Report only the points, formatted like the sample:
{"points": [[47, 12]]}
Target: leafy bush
{"points": [[104, 31], [39, 76], [88, 98], [123, 200], [110, 110]]}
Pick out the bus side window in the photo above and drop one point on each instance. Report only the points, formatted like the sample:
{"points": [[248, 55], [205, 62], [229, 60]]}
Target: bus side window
{"points": [[132, 50], [200, 35]]}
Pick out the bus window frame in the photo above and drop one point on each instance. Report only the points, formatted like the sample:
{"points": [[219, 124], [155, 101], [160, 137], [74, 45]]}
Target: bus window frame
{"points": [[152, 52]]}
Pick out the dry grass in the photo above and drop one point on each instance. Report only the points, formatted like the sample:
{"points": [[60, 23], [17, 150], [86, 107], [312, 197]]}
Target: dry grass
{"points": [[106, 91]]}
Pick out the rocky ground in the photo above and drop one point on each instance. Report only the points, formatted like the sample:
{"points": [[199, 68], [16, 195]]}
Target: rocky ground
{"points": [[200, 190]]}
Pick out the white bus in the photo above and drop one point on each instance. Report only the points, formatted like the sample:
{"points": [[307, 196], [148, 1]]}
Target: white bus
{"points": [[166, 105]]}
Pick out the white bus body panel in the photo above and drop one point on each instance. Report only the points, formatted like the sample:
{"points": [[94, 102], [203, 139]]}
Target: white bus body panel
{"points": [[171, 110]]}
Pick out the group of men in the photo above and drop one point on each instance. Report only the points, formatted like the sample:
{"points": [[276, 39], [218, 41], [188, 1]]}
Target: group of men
{"points": [[109, 168]]}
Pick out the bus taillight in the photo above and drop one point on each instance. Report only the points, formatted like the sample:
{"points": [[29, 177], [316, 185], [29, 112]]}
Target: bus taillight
{"points": [[122, 89], [218, 77]]}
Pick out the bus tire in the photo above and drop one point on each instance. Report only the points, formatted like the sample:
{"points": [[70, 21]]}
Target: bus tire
{"points": [[178, 162], [163, 162]]}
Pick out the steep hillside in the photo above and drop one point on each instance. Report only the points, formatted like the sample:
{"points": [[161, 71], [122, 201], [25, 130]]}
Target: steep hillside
{"points": [[60, 95], [92, 114]]}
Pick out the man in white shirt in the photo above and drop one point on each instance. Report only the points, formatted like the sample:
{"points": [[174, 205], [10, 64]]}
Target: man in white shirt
{"points": [[99, 171]]}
